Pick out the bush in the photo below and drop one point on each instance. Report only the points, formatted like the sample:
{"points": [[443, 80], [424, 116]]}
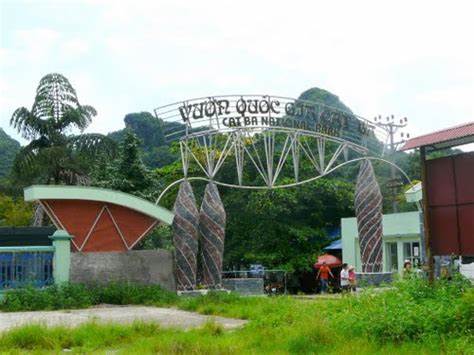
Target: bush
{"points": [[412, 310], [65, 296], [70, 296]]}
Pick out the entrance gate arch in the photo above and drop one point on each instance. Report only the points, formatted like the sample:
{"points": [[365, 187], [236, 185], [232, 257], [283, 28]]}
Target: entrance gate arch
{"points": [[272, 137]]}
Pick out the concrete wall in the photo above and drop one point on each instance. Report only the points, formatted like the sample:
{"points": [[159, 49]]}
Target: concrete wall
{"points": [[137, 266]]}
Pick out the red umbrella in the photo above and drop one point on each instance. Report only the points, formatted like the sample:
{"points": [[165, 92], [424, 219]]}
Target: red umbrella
{"points": [[330, 261]]}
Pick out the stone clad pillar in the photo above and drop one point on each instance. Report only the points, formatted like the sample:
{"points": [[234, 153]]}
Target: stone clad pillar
{"points": [[368, 208], [62, 256], [212, 219], [185, 237]]}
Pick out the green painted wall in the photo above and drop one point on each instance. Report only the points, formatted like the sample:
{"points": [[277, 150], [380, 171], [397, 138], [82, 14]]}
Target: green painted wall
{"points": [[397, 228]]}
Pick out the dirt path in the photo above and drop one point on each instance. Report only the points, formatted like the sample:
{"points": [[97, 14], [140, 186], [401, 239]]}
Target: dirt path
{"points": [[166, 317]]}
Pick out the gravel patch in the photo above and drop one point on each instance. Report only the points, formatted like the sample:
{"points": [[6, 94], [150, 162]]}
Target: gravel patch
{"points": [[165, 317]]}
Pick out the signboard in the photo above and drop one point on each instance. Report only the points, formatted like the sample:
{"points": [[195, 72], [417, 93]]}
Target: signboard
{"points": [[276, 135], [257, 112]]}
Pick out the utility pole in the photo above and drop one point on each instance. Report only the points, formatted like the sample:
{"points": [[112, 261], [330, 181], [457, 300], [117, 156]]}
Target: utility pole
{"points": [[392, 128]]}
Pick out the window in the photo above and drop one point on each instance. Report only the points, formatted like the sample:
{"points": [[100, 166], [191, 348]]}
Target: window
{"points": [[392, 256], [412, 252]]}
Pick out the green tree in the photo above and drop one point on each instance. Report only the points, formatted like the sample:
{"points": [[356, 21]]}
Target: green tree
{"points": [[55, 154], [285, 227], [14, 213], [127, 173]]}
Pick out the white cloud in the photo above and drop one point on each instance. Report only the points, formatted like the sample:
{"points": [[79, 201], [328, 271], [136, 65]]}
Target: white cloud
{"points": [[459, 100], [75, 47], [409, 58], [37, 43]]}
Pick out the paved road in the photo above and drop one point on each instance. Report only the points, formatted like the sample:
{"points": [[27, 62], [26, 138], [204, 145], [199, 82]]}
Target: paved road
{"points": [[166, 317]]}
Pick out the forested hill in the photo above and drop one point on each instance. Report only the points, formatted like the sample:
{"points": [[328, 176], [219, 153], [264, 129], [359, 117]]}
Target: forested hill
{"points": [[8, 149], [325, 97], [155, 150]]}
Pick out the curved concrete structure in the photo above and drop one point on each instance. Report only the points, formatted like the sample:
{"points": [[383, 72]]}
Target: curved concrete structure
{"points": [[57, 192], [99, 219]]}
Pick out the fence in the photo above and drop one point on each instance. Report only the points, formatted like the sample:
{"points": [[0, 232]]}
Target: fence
{"points": [[23, 266], [274, 281], [36, 266]]}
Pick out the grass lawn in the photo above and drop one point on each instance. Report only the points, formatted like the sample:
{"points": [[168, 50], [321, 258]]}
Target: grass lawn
{"points": [[413, 318]]}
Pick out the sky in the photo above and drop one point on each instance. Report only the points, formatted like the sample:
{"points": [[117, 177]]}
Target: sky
{"points": [[411, 59]]}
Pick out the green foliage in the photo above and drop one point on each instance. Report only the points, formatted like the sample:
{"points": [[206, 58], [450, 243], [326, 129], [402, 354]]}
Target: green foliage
{"points": [[14, 213], [286, 227], [160, 238], [8, 150], [73, 296], [66, 296], [127, 173], [412, 310], [149, 127]]}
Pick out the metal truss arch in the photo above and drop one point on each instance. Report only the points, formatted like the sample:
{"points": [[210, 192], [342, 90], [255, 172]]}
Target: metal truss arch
{"points": [[352, 161], [275, 153]]}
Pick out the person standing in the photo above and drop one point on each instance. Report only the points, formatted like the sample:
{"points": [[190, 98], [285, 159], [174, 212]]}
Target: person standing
{"points": [[323, 274], [407, 269], [352, 279], [345, 285]]}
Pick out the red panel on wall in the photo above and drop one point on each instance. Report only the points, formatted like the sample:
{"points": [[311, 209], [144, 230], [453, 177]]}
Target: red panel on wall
{"points": [[466, 225], [464, 170], [76, 216], [132, 224], [441, 187], [450, 187], [444, 231], [98, 226], [104, 236]]}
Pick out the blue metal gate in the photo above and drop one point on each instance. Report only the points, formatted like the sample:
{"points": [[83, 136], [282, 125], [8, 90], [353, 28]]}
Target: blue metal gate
{"points": [[26, 266]]}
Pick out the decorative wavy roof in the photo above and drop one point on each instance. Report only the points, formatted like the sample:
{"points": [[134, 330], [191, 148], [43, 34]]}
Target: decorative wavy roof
{"points": [[60, 192]]}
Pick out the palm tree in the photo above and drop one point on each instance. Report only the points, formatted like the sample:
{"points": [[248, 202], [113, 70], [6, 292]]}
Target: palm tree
{"points": [[55, 154]]}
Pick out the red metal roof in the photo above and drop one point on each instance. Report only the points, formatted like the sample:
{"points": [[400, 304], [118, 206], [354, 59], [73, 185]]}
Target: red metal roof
{"points": [[445, 138]]}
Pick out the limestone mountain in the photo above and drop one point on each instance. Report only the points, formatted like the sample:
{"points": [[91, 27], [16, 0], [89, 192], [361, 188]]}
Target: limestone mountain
{"points": [[150, 130], [8, 149]]}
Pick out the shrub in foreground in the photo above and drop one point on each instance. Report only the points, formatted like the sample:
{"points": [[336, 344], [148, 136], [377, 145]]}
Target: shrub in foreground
{"points": [[66, 296], [70, 296], [412, 310]]}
